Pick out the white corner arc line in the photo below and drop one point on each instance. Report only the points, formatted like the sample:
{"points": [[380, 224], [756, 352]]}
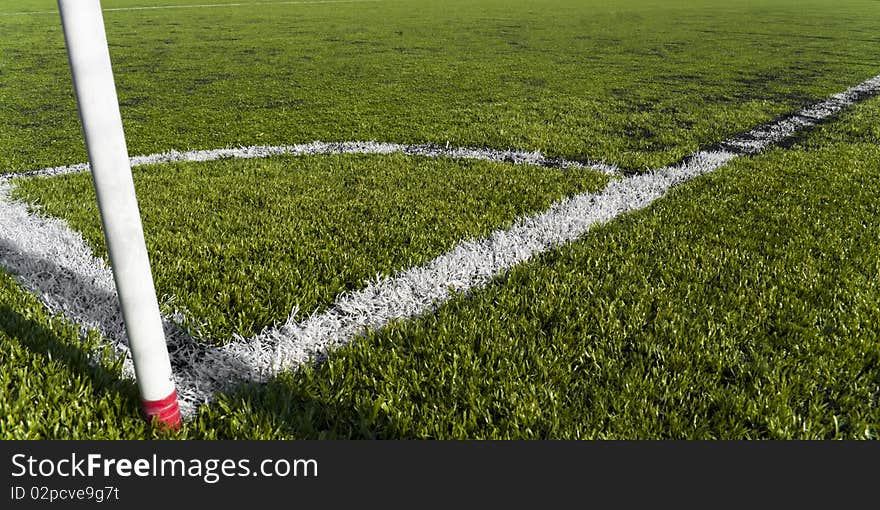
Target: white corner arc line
{"points": [[55, 263], [511, 156]]}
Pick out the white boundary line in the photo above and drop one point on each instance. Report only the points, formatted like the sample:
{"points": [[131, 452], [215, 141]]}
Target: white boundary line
{"points": [[55, 263], [513, 156], [199, 6]]}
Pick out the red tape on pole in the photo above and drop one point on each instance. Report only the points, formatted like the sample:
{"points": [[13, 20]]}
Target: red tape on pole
{"points": [[166, 411]]}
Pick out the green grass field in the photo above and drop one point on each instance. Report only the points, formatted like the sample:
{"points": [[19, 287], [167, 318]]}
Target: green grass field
{"points": [[635, 82], [744, 305], [741, 305], [304, 229]]}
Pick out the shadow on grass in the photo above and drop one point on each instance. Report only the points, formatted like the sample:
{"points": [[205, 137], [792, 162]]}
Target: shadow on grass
{"points": [[288, 406], [42, 341], [36, 337], [292, 406], [282, 407]]}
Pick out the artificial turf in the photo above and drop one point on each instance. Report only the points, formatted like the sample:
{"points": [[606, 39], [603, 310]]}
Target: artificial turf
{"points": [[638, 83], [237, 244], [742, 305], [51, 384]]}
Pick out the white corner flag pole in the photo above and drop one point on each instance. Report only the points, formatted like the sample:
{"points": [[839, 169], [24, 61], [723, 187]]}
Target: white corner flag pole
{"points": [[111, 172]]}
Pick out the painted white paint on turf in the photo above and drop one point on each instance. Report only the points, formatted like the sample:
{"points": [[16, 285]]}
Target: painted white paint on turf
{"points": [[55, 263], [471, 264], [513, 156], [759, 138]]}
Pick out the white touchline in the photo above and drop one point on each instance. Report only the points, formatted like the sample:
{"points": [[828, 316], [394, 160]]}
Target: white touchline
{"points": [[55, 263], [200, 6]]}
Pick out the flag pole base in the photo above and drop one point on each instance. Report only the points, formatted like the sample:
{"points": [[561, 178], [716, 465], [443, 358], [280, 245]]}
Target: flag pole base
{"points": [[166, 411]]}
